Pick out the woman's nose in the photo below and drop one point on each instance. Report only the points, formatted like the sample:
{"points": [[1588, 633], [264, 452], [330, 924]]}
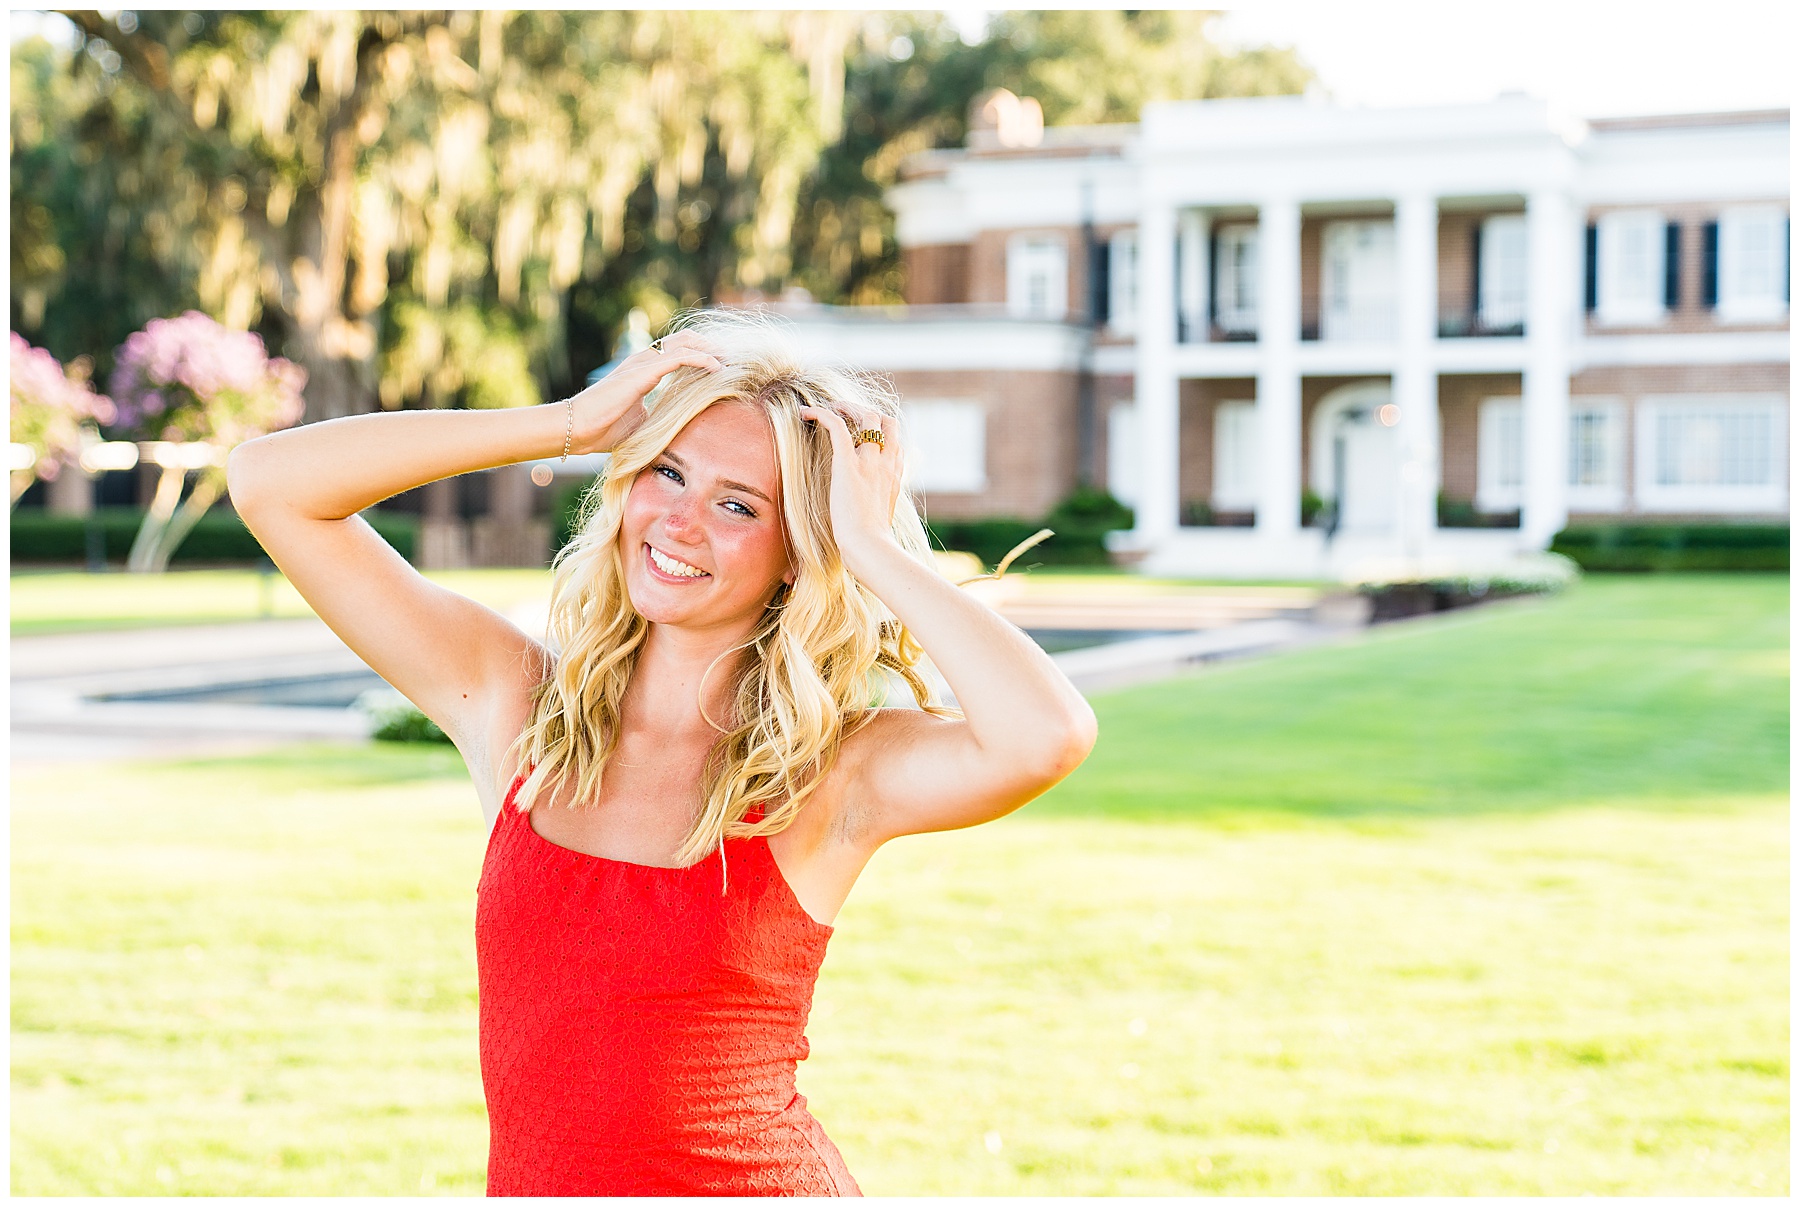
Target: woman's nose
{"points": [[683, 517]]}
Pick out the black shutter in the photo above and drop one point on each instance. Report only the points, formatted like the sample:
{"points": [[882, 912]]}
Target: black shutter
{"points": [[1475, 280], [1672, 265], [1212, 281], [1593, 267], [1709, 265], [1181, 315], [1100, 281]]}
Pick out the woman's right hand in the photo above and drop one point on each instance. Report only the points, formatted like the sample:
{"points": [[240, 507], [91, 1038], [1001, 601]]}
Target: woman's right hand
{"points": [[608, 411]]}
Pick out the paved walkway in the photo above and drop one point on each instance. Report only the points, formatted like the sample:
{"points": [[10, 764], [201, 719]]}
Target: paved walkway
{"points": [[61, 683]]}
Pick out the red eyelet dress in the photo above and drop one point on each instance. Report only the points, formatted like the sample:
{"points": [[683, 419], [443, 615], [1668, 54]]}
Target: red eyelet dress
{"points": [[640, 1025]]}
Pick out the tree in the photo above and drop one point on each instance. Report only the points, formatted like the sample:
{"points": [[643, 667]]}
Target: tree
{"points": [[203, 388], [369, 181], [53, 410], [911, 79]]}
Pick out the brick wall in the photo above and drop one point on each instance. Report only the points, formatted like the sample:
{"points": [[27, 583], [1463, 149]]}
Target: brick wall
{"points": [[1031, 438], [936, 273], [1459, 409], [1199, 400]]}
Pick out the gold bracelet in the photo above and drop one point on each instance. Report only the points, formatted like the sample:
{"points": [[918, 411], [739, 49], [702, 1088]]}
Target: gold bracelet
{"points": [[570, 434]]}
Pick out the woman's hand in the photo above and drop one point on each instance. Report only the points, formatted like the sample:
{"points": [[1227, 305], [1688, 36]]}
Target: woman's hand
{"points": [[865, 480], [610, 410]]}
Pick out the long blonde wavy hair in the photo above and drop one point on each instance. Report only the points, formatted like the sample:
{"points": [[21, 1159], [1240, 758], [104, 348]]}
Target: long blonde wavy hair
{"points": [[821, 648]]}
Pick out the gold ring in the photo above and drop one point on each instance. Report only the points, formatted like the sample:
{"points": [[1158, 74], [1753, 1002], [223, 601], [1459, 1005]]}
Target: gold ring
{"points": [[657, 344], [870, 435]]}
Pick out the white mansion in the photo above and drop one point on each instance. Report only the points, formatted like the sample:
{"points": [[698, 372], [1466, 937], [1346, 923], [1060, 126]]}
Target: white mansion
{"points": [[1299, 339]]}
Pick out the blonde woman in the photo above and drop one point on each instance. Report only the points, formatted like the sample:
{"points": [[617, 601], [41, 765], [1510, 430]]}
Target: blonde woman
{"points": [[683, 783]]}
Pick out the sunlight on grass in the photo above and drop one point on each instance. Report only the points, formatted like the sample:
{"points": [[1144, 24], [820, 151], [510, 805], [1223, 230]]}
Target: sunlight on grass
{"points": [[1504, 912]]}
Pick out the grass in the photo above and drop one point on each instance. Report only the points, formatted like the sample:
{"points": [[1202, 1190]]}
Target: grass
{"points": [[1493, 904]]}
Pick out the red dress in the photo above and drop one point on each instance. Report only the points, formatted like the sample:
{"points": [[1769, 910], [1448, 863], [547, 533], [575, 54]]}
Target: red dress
{"points": [[640, 1025]]}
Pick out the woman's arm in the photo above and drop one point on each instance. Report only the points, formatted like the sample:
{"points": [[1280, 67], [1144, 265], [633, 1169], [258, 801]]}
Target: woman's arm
{"points": [[299, 491], [1024, 725]]}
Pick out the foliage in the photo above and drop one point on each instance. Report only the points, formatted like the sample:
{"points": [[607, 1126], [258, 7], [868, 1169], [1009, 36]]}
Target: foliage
{"points": [[1409, 594], [360, 187], [189, 378], [1640, 547], [1461, 513], [1080, 523], [51, 407], [909, 83], [39, 536], [394, 718], [316, 173]]}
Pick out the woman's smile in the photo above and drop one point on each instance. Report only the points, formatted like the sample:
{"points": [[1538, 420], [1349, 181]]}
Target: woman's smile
{"points": [[671, 569]]}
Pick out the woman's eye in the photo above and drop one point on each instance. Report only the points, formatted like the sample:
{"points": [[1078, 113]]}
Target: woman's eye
{"points": [[670, 470], [743, 509]]}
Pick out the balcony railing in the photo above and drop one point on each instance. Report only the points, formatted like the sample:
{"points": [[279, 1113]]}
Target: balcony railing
{"points": [[1468, 324]]}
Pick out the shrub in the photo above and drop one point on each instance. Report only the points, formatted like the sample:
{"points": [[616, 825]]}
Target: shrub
{"points": [[396, 719], [1080, 522], [1653, 547], [39, 536]]}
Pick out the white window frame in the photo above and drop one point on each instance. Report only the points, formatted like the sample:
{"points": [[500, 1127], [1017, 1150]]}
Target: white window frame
{"points": [[1625, 300], [1358, 280], [1235, 309], [1234, 484], [1044, 257], [1505, 275], [1750, 284], [1122, 282], [1652, 495], [1124, 453], [1500, 454], [946, 439], [1604, 489]]}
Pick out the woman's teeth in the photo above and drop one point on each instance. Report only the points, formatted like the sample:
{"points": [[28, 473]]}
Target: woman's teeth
{"points": [[669, 565]]}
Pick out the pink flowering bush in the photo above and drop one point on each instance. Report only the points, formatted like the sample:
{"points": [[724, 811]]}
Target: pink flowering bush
{"points": [[49, 406], [191, 378]]}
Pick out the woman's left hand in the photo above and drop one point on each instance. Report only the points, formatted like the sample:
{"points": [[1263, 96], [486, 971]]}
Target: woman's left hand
{"points": [[865, 478]]}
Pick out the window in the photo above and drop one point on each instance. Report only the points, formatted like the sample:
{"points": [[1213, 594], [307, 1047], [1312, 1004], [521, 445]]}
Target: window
{"points": [[1502, 268], [1037, 276], [948, 449], [1753, 255], [1725, 453], [1358, 280], [1236, 306], [1500, 455], [1123, 454], [1631, 280], [1234, 457], [1596, 454], [1121, 305]]}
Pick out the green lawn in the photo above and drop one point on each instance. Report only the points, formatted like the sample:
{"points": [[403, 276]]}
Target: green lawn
{"points": [[1491, 904]]}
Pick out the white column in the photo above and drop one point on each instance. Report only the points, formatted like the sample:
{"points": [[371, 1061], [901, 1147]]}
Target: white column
{"points": [[1552, 268], [1415, 373], [1278, 369], [1195, 231], [1158, 392]]}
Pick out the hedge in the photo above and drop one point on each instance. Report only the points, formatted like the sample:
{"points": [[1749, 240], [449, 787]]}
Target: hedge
{"points": [[39, 536], [1649, 547]]}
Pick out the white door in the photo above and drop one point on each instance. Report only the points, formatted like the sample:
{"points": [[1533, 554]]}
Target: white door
{"points": [[1371, 477], [1358, 282]]}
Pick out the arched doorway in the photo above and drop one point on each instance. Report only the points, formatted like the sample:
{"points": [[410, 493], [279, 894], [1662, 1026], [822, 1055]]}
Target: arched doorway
{"points": [[1351, 435]]}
